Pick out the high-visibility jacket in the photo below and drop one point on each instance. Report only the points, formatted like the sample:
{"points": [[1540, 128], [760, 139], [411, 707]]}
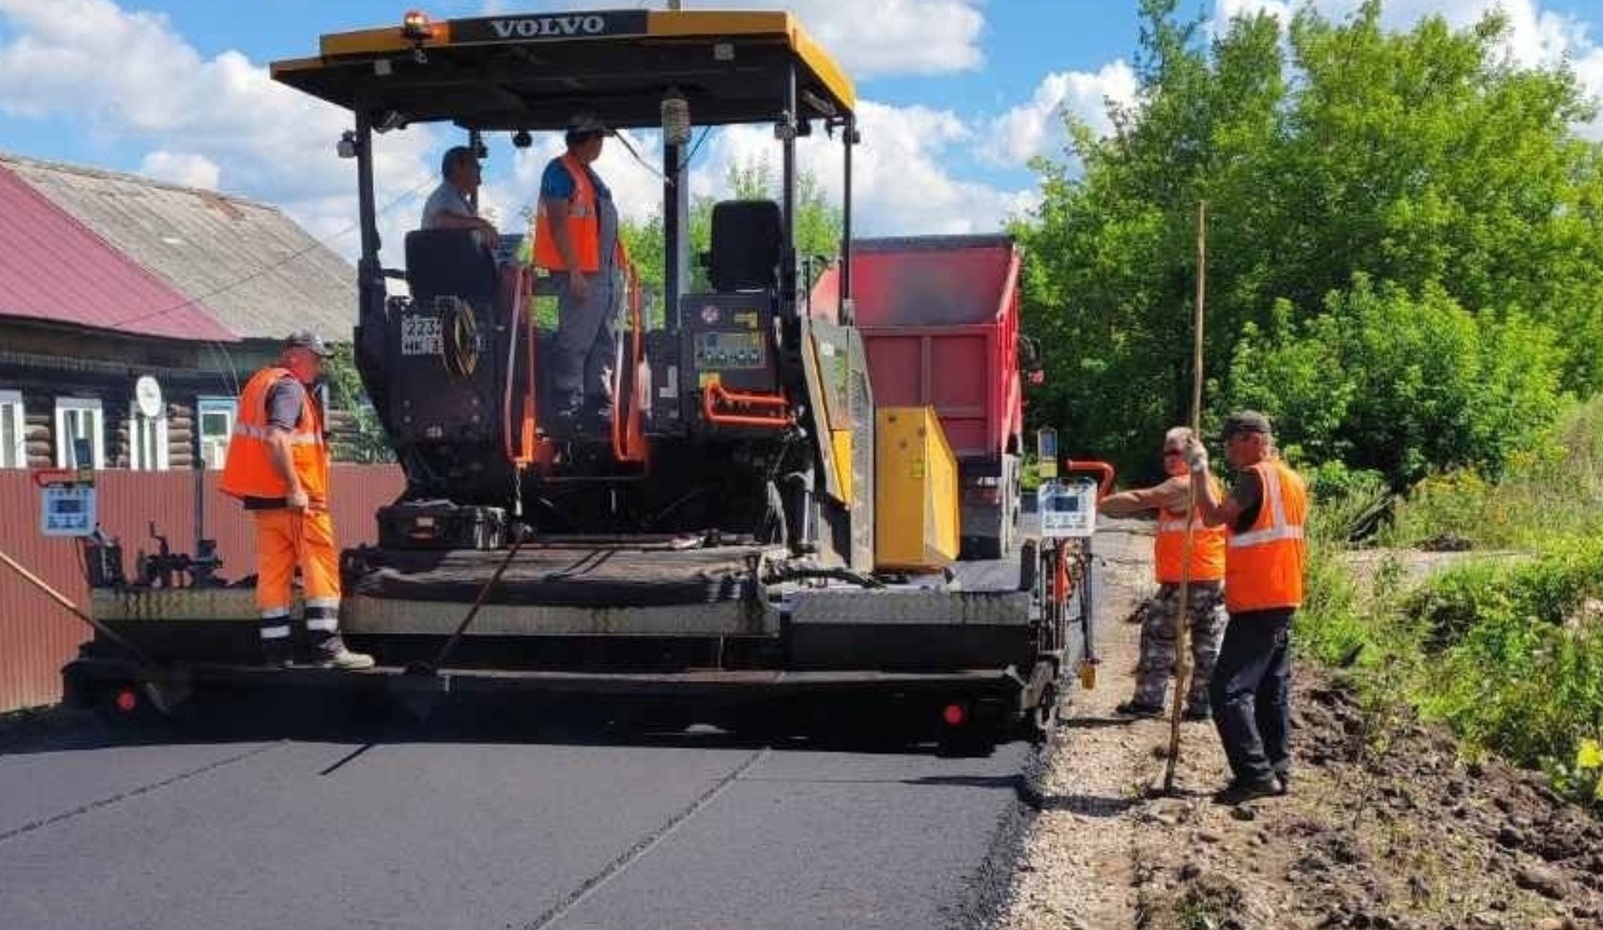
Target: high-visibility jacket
{"points": [[249, 471], [1264, 565], [583, 225], [1207, 545]]}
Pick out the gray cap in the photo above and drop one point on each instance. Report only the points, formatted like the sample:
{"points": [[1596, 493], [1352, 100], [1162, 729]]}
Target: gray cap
{"points": [[1244, 421], [306, 339], [582, 124]]}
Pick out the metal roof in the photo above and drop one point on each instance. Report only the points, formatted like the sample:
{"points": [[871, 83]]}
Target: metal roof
{"points": [[534, 71], [55, 268], [247, 264]]}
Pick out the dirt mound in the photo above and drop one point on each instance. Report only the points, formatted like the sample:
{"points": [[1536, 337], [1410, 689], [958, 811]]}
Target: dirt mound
{"points": [[1384, 829]]}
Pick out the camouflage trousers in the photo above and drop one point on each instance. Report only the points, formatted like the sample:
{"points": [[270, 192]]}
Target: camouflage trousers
{"points": [[1205, 605]]}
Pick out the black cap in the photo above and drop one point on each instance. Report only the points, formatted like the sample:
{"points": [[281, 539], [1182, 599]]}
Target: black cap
{"points": [[1244, 421], [306, 339]]}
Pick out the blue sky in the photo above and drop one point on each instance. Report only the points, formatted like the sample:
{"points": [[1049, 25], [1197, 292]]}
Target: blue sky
{"points": [[958, 95]]}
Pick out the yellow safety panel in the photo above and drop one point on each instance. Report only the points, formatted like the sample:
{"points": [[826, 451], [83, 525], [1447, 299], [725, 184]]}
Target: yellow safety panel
{"points": [[916, 498], [841, 442]]}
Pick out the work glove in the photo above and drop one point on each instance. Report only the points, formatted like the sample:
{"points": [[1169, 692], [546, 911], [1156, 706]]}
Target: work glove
{"points": [[1196, 457]]}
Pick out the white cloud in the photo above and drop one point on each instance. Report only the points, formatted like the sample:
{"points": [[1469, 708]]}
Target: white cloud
{"points": [[218, 122], [869, 39], [184, 168], [900, 186], [221, 122], [1036, 128], [1230, 9]]}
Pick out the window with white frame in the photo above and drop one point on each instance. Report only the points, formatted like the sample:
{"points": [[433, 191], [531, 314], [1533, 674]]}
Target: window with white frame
{"points": [[79, 418], [147, 441], [214, 419], [13, 431]]}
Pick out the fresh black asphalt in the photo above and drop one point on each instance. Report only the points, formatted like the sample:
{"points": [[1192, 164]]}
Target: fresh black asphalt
{"points": [[554, 827], [566, 830]]}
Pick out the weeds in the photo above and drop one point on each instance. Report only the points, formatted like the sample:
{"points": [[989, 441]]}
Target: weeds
{"points": [[1509, 654]]}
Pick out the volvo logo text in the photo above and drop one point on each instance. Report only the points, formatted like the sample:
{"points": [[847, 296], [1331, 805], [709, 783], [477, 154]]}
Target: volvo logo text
{"points": [[534, 27]]}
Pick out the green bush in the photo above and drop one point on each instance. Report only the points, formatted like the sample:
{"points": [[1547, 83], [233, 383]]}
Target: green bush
{"points": [[1519, 651], [1554, 488], [1401, 384], [1508, 652]]}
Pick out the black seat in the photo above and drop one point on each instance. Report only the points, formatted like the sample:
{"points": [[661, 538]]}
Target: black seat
{"points": [[448, 262], [747, 238]]}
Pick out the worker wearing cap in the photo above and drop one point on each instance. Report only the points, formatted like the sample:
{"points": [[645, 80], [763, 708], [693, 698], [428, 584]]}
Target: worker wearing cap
{"points": [[278, 466], [1203, 577], [1265, 554], [451, 205], [576, 238]]}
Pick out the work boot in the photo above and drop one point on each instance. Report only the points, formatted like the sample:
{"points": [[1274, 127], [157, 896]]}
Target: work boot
{"points": [[277, 653], [331, 653], [1198, 712], [1136, 709], [1239, 791]]}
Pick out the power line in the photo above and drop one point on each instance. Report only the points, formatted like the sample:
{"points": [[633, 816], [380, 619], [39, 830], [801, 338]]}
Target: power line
{"points": [[316, 243]]}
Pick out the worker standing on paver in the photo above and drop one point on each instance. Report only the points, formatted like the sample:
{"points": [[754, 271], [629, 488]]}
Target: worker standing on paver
{"points": [[1265, 556], [278, 466], [1204, 600], [576, 237]]}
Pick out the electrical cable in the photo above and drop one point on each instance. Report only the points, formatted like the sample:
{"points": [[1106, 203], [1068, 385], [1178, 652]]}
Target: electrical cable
{"points": [[315, 244]]}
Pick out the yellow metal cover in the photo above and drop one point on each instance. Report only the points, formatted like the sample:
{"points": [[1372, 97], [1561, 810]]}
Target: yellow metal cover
{"points": [[916, 502]]}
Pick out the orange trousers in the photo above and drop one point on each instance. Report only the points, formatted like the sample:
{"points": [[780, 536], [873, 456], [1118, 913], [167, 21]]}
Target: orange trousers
{"points": [[287, 539]]}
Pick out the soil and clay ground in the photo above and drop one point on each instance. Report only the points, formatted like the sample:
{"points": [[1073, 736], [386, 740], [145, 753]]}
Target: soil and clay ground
{"points": [[1385, 826]]}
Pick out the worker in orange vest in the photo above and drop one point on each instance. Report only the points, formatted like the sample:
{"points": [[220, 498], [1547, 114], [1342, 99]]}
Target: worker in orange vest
{"points": [[576, 238], [1265, 556], [1205, 618], [278, 466]]}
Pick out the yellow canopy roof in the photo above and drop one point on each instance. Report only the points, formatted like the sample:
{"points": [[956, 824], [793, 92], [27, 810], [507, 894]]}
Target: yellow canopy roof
{"points": [[534, 71]]}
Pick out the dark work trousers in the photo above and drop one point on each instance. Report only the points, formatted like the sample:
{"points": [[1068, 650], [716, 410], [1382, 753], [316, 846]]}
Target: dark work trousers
{"points": [[581, 371], [1251, 693]]}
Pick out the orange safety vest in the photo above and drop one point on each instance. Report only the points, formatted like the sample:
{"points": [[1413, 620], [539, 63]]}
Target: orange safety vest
{"points": [[249, 471], [583, 224], [1264, 565], [1207, 545]]}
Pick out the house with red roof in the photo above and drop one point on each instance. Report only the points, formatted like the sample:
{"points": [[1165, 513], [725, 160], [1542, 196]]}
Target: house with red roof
{"points": [[131, 312]]}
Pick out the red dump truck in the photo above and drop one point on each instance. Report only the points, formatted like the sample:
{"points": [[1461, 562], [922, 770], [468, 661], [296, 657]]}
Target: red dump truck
{"points": [[940, 319]]}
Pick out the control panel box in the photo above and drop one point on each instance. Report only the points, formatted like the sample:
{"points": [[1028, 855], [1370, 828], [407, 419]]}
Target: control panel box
{"points": [[730, 339], [1067, 509]]}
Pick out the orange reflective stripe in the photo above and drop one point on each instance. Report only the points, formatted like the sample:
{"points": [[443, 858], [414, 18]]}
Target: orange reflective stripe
{"points": [[266, 432], [248, 470]]}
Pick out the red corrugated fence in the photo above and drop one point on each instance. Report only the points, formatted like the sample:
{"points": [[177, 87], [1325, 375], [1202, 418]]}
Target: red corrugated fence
{"points": [[37, 636]]}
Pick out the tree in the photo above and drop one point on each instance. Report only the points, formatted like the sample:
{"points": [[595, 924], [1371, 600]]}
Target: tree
{"points": [[366, 440], [1423, 163], [1400, 386]]}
